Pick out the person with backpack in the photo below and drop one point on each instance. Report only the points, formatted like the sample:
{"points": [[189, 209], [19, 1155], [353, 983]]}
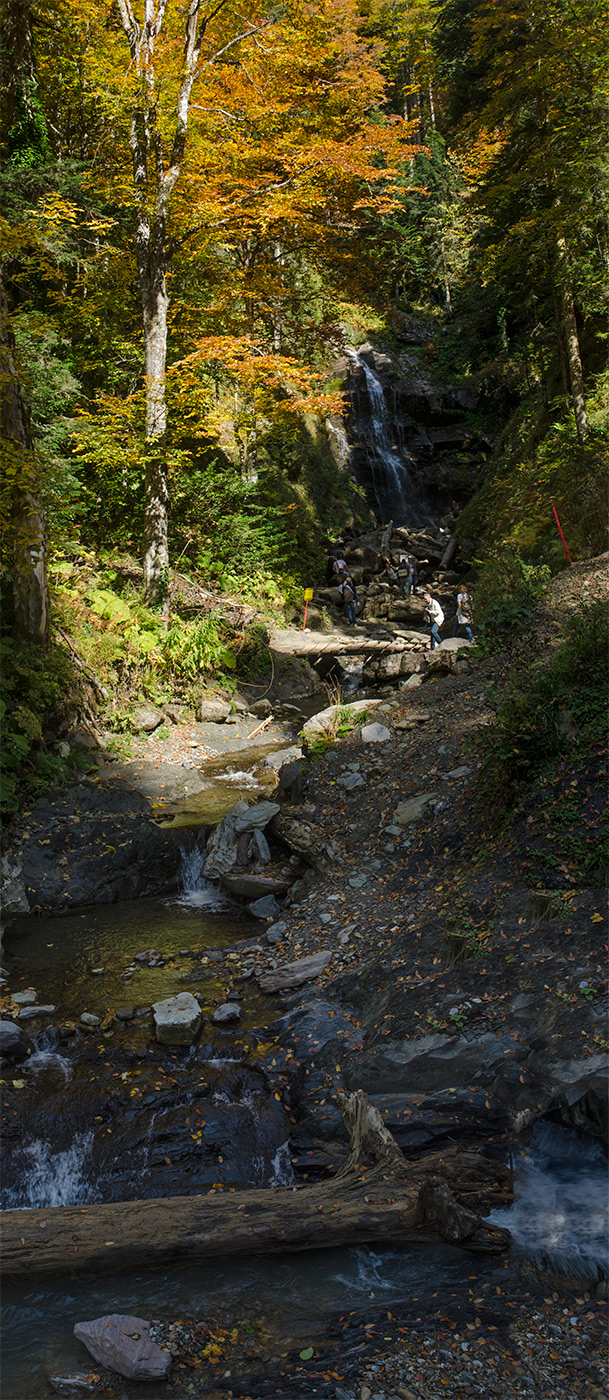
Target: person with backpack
{"points": [[463, 616], [435, 618], [350, 598]]}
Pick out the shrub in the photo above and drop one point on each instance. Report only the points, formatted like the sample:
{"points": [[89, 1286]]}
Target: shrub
{"points": [[507, 591]]}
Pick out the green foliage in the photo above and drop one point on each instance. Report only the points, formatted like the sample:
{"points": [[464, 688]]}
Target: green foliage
{"points": [[36, 686], [191, 649], [507, 590], [556, 706]]}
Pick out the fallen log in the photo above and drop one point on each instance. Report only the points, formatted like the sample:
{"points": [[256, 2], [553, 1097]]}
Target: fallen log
{"points": [[440, 1198]]}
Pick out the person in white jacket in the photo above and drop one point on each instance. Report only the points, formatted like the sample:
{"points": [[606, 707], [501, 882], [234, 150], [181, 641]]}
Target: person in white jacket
{"points": [[435, 617]]}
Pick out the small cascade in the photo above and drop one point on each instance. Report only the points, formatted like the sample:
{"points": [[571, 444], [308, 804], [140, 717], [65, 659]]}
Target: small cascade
{"points": [[48, 1177], [559, 1221], [282, 1172], [392, 471], [194, 888]]}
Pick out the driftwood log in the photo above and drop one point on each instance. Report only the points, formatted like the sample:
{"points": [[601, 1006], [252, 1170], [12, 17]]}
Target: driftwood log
{"points": [[376, 1196]]}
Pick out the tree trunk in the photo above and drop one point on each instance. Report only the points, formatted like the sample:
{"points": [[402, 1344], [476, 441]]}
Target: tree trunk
{"points": [[442, 1197], [30, 592], [576, 373]]}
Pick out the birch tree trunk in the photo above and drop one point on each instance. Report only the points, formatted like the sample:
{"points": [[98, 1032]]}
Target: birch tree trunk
{"points": [[154, 180], [30, 592]]}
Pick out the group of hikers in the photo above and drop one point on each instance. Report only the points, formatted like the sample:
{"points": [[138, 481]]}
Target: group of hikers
{"points": [[337, 573]]}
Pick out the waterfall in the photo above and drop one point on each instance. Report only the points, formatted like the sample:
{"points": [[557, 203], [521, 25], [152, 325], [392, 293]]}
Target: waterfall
{"points": [[194, 888], [395, 484]]}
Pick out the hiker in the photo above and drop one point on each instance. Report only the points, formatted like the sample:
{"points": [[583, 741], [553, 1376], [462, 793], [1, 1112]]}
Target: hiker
{"points": [[435, 617], [339, 567], [350, 598], [454, 509], [412, 576], [390, 573], [463, 616]]}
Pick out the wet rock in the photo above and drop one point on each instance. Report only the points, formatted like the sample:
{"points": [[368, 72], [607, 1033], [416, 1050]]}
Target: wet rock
{"points": [[265, 908], [24, 998], [177, 1020], [262, 708], [146, 717], [295, 973], [257, 816], [125, 1013], [73, 1383], [89, 1020], [413, 809], [13, 1042], [28, 1013], [215, 710], [223, 1015], [122, 1343], [375, 734]]}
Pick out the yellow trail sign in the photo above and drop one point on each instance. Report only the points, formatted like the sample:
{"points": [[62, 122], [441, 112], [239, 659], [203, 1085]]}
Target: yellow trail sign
{"points": [[308, 593]]}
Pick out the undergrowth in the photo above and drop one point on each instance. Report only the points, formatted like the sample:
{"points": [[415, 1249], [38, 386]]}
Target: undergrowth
{"points": [[555, 707]]}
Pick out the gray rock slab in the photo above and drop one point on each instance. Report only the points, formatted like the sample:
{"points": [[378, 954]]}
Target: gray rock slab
{"points": [[229, 1011], [454, 644], [326, 721], [122, 1343], [28, 1013], [257, 816], [457, 772], [375, 734], [261, 850], [252, 886], [222, 845], [412, 810], [24, 998], [177, 1020], [412, 683], [295, 973]]}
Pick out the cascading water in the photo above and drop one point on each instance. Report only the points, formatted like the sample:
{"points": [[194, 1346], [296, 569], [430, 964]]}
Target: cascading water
{"points": [[194, 888], [395, 485], [559, 1220], [48, 1177]]}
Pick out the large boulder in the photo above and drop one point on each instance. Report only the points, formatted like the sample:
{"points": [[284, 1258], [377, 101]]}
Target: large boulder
{"points": [[265, 908], [13, 1042], [252, 886], [215, 710], [227, 1013], [325, 724], [223, 844], [122, 1343], [147, 717], [375, 734], [177, 1020]]}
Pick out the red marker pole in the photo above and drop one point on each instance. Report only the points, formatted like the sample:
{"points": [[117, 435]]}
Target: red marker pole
{"points": [[304, 620], [561, 535]]}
